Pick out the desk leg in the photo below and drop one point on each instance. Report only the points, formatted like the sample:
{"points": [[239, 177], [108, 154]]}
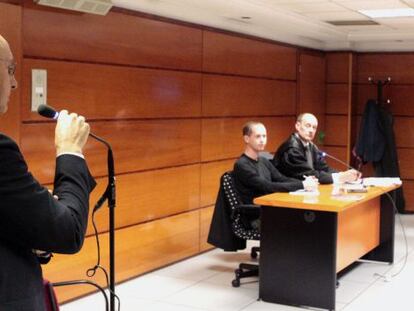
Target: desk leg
{"points": [[385, 251], [298, 257]]}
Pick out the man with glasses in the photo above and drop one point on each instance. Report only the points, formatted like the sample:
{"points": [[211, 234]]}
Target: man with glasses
{"points": [[31, 218]]}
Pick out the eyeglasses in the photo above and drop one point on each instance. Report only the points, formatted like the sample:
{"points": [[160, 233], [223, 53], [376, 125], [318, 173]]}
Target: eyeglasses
{"points": [[11, 68]]}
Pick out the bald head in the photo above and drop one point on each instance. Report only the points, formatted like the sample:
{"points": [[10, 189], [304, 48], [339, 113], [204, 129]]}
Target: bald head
{"points": [[306, 126], [4, 48], [7, 80], [307, 117]]}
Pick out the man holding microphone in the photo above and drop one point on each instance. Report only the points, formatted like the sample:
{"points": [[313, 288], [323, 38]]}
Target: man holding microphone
{"points": [[31, 218]]}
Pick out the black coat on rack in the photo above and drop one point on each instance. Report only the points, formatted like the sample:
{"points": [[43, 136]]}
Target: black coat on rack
{"points": [[376, 142]]}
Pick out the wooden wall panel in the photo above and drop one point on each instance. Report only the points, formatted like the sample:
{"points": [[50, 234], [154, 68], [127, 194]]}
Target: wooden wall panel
{"points": [[222, 138], [137, 145], [337, 67], [406, 157], [210, 179], [237, 96], [336, 129], [337, 98], [115, 38], [312, 85], [404, 132], [337, 152], [235, 55], [10, 29], [398, 66], [408, 186], [115, 92], [205, 220], [177, 190], [139, 249], [365, 92], [402, 101]]}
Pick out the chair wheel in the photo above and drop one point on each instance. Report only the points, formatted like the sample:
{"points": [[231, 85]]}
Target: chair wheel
{"points": [[238, 272], [253, 254], [235, 283]]}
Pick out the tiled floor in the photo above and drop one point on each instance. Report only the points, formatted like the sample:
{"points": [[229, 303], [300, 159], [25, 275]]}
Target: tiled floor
{"points": [[203, 283]]}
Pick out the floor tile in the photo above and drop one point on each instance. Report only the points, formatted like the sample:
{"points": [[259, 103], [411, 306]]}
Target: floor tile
{"points": [[152, 287], [203, 283], [213, 297], [366, 272], [348, 291]]}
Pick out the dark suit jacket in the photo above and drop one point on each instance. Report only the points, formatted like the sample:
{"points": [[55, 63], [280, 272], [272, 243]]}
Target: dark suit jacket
{"points": [[30, 218], [290, 160]]}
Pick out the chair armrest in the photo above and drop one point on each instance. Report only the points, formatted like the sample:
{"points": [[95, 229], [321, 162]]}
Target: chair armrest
{"points": [[247, 213], [248, 206]]}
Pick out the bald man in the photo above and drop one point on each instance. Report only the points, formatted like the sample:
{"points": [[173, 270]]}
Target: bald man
{"points": [[33, 222], [299, 157]]}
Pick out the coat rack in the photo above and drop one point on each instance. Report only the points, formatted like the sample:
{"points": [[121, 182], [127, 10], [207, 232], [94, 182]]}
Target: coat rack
{"points": [[380, 84]]}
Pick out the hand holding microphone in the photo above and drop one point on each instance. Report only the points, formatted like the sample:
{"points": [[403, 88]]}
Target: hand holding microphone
{"points": [[71, 131]]}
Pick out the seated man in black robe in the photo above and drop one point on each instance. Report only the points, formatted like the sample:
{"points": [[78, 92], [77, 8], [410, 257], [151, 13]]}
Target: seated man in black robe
{"points": [[299, 157], [255, 176]]}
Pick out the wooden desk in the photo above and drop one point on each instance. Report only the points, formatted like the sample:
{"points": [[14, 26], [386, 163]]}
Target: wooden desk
{"points": [[306, 240]]}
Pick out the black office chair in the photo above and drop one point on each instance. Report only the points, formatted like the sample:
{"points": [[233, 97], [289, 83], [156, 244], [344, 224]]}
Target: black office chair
{"points": [[241, 214]]}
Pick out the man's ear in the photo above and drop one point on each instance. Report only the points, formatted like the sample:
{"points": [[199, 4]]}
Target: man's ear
{"points": [[246, 139], [297, 125]]}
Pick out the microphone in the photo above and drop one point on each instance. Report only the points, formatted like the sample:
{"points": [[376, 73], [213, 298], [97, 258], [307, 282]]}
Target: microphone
{"points": [[47, 112], [109, 194], [50, 113], [323, 154]]}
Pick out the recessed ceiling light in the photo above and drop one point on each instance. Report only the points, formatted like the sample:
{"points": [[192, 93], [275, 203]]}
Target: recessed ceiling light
{"points": [[388, 13]]}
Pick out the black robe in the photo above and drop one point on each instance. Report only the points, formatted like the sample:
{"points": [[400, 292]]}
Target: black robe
{"points": [[290, 159], [376, 144]]}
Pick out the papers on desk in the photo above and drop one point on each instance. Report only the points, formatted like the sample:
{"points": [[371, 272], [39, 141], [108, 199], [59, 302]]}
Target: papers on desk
{"points": [[353, 187], [305, 192], [348, 197], [382, 181]]}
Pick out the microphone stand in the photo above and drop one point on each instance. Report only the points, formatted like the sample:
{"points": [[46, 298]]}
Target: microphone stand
{"points": [[338, 160], [110, 195]]}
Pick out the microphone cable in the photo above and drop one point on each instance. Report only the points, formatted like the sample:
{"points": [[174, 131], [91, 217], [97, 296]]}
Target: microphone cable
{"points": [[386, 277], [109, 194], [92, 271], [105, 196]]}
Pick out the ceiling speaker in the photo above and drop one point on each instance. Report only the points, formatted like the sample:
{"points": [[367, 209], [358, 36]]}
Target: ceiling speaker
{"points": [[100, 7]]}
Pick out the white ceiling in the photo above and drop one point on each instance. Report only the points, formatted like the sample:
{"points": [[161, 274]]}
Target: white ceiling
{"points": [[298, 22]]}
